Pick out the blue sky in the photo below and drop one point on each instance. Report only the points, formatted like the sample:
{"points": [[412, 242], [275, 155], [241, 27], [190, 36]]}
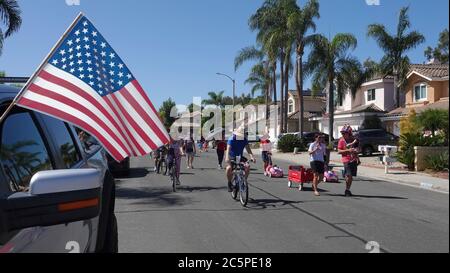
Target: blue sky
{"points": [[175, 47]]}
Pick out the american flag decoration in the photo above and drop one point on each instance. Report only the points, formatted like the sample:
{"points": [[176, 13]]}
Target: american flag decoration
{"points": [[84, 82]]}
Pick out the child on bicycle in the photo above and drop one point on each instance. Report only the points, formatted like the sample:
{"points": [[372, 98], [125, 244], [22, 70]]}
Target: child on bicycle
{"points": [[174, 154]]}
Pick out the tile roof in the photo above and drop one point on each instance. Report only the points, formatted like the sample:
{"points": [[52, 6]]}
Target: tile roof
{"points": [[371, 108], [306, 115], [433, 71], [402, 111]]}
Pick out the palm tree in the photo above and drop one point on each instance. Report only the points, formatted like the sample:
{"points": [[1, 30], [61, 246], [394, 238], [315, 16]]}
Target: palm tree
{"points": [[434, 120], [395, 46], [260, 76], [274, 37], [10, 17], [355, 74], [260, 80], [300, 22], [215, 98], [327, 59]]}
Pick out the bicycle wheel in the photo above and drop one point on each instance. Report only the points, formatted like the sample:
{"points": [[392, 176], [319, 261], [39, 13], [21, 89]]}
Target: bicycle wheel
{"points": [[158, 167], [234, 192], [174, 179], [243, 192]]}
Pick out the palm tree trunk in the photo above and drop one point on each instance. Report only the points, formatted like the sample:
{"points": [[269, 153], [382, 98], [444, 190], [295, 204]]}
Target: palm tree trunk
{"points": [[282, 82], [267, 97], [286, 94], [274, 82], [396, 90], [330, 108], [299, 82]]}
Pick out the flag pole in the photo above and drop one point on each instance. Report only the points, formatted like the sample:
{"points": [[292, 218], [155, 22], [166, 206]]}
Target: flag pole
{"points": [[41, 66]]}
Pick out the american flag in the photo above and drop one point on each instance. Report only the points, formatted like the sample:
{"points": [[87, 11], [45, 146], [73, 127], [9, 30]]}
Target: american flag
{"points": [[85, 83]]}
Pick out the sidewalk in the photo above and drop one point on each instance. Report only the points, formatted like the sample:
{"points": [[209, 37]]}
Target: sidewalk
{"points": [[396, 175]]}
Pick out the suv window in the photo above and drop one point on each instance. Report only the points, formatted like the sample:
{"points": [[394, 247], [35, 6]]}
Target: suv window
{"points": [[64, 141], [89, 143], [22, 150]]}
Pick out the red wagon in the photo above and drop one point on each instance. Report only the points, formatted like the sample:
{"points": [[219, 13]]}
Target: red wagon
{"points": [[299, 175]]}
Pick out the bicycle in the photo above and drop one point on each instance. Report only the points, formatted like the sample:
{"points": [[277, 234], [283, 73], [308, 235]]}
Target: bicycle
{"points": [[161, 165], [239, 182], [173, 175]]}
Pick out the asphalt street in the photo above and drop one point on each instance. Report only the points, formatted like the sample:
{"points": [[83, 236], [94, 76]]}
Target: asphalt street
{"points": [[202, 218]]}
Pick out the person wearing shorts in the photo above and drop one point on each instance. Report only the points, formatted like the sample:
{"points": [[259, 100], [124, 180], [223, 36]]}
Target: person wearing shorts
{"points": [[189, 146], [266, 150], [349, 158], [317, 151]]}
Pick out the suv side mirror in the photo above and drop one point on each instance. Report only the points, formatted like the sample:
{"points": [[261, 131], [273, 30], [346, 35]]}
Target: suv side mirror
{"points": [[55, 197]]}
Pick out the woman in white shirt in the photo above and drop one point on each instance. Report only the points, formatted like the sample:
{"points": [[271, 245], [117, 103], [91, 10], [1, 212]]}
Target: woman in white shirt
{"points": [[317, 151]]}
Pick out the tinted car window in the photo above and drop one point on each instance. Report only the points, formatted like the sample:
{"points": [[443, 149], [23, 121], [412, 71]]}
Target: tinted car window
{"points": [[89, 143], [64, 142], [22, 150]]}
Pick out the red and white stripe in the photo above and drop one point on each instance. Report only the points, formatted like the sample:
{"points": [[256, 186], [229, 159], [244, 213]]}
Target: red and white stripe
{"points": [[125, 122]]}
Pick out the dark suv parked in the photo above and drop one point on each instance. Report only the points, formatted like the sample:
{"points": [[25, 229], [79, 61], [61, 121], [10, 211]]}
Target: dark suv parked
{"points": [[371, 139], [56, 194]]}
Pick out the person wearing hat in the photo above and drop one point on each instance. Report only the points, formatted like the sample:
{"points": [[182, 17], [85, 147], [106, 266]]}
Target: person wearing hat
{"points": [[235, 147], [349, 157], [266, 150]]}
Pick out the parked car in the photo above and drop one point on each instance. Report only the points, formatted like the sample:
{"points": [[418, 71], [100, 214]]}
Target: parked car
{"points": [[56, 196], [370, 139], [308, 137]]}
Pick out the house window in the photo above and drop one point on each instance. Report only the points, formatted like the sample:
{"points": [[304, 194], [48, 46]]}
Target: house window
{"points": [[420, 92], [339, 99], [291, 106], [371, 95]]}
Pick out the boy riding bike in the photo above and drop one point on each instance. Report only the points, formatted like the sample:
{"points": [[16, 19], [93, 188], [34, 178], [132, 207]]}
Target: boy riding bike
{"points": [[235, 148]]}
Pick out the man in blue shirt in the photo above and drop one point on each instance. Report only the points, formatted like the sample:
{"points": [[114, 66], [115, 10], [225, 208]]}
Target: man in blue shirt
{"points": [[235, 147]]}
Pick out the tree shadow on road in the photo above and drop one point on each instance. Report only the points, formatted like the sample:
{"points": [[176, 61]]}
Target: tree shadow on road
{"points": [[154, 196], [133, 173], [269, 203], [200, 189]]}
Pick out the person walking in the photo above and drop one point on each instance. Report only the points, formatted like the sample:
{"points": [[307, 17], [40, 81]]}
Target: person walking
{"points": [[266, 151], [221, 147], [317, 151], [190, 149], [349, 157]]}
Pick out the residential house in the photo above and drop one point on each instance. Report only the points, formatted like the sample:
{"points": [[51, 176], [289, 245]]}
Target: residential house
{"points": [[374, 98], [427, 88], [314, 105]]}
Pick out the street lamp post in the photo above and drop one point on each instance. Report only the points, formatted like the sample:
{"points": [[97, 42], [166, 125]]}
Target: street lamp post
{"points": [[234, 86]]}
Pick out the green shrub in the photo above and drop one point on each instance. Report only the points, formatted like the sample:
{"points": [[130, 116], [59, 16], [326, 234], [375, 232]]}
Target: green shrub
{"points": [[406, 153], [288, 143], [438, 162]]}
